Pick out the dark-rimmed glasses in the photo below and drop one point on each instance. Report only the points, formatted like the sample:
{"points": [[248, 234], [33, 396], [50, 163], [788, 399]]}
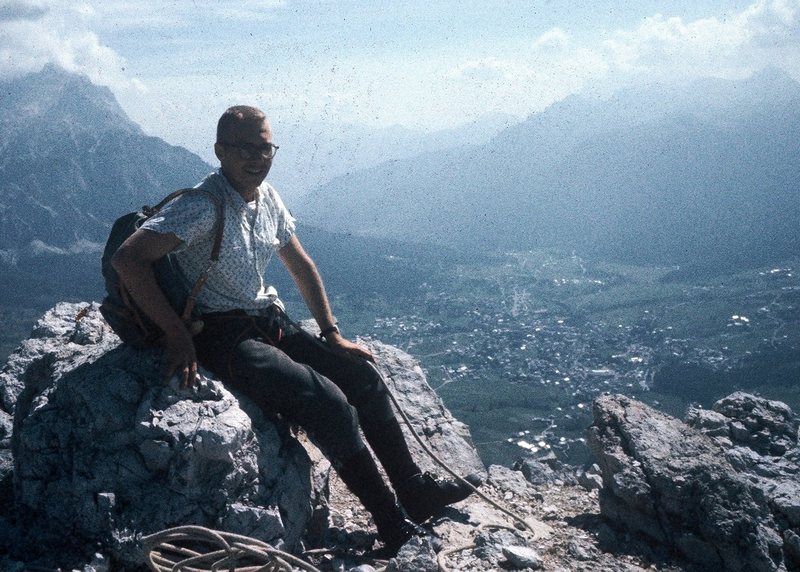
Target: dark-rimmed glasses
{"points": [[248, 151]]}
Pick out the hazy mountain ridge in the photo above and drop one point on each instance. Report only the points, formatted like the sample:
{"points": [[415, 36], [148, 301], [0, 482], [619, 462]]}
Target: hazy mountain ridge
{"points": [[698, 174], [315, 153], [72, 162]]}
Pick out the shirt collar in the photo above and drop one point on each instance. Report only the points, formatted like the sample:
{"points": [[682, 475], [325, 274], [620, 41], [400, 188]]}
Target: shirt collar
{"points": [[226, 185]]}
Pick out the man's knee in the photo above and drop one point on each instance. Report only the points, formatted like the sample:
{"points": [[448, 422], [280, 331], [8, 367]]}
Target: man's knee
{"points": [[330, 419]]}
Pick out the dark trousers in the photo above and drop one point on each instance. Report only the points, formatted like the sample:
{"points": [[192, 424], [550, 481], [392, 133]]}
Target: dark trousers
{"points": [[287, 371]]}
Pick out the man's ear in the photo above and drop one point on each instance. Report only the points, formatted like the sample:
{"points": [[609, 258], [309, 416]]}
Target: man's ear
{"points": [[219, 151]]}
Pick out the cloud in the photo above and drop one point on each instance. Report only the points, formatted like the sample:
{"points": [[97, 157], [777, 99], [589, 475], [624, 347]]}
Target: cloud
{"points": [[773, 23], [20, 10], [490, 69], [733, 46], [143, 14], [32, 35], [552, 40], [660, 48]]}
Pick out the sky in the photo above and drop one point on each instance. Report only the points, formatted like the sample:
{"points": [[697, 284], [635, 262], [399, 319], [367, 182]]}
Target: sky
{"points": [[175, 65]]}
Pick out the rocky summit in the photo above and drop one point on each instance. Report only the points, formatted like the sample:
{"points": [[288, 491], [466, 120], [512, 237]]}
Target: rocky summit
{"points": [[102, 452], [96, 452], [105, 452]]}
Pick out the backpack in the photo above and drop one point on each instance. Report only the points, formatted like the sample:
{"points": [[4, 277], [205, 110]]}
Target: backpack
{"points": [[127, 320]]}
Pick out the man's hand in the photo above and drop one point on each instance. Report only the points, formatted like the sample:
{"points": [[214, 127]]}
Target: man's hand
{"points": [[181, 358], [346, 347]]}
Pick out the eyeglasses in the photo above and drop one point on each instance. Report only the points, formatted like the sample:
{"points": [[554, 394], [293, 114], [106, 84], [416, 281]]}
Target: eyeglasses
{"points": [[248, 152]]}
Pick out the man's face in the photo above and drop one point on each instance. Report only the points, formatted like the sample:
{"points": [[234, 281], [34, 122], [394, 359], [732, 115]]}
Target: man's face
{"points": [[244, 156]]}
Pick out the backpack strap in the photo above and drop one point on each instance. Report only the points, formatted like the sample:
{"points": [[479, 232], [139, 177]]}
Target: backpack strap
{"points": [[219, 227]]}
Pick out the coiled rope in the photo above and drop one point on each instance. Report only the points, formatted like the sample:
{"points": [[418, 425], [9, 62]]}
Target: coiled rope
{"points": [[200, 549]]}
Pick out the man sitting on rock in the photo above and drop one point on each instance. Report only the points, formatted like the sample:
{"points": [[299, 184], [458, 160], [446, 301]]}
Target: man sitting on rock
{"points": [[328, 388]]}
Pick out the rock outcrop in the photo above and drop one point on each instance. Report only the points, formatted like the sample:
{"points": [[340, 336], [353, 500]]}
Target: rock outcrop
{"points": [[446, 437], [104, 452], [722, 489]]}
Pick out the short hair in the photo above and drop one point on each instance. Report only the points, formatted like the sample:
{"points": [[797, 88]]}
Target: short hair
{"points": [[234, 117]]}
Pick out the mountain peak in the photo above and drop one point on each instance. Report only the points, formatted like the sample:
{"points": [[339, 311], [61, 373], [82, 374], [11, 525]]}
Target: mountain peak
{"points": [[775, 83], [54, 93], [78, 162]]}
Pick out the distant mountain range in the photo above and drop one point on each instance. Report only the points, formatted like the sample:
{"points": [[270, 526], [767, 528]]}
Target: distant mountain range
{"points": [[703, 174], [315, 153], [706, 173], [71, 162]]}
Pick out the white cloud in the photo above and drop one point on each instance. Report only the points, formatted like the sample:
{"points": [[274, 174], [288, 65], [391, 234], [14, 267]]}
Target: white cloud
{"points": [[673, 48], [489, 69], [554, 39], [33, 34], [659, 49], [158, 14], [438, 86]]}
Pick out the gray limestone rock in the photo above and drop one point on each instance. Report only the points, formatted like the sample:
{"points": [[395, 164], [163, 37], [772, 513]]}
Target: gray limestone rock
{"points": [[522, 557], [104, 452], [678, 485], [6, 424], [537, 472], [448, 438], [508, 480], [491, 545], [591, 479], [767, 427], [416, 555], [545, 468]]}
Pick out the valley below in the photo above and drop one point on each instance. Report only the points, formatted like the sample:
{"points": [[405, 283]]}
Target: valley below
{"points": [[518, 344]]}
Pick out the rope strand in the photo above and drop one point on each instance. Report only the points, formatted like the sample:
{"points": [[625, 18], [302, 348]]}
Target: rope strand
{"points": [[517, 518]]}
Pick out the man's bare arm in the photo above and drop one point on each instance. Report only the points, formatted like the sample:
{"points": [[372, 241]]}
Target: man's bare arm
{"points": [[308, 280], [133, 261]]}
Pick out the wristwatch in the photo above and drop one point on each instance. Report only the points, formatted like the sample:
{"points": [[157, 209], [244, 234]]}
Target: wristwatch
{"points": [[329, 330]]}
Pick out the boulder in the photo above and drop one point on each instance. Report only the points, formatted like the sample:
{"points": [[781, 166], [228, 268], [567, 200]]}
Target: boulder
{"points": [[767, 427], [760, 440], [104, 452], [445, 436], [681, 486]]}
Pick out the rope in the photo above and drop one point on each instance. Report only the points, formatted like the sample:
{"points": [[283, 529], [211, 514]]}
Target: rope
{"points": [[186, 549], [514, 516]]}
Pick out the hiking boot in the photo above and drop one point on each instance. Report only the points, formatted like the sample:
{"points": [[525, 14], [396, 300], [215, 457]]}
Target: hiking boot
{"points": [[424, 495], [394, 530], [361, 476]]}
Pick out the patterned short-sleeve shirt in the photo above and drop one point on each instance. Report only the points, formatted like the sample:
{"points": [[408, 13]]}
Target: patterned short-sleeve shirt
{"points": [[253, 231]]}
